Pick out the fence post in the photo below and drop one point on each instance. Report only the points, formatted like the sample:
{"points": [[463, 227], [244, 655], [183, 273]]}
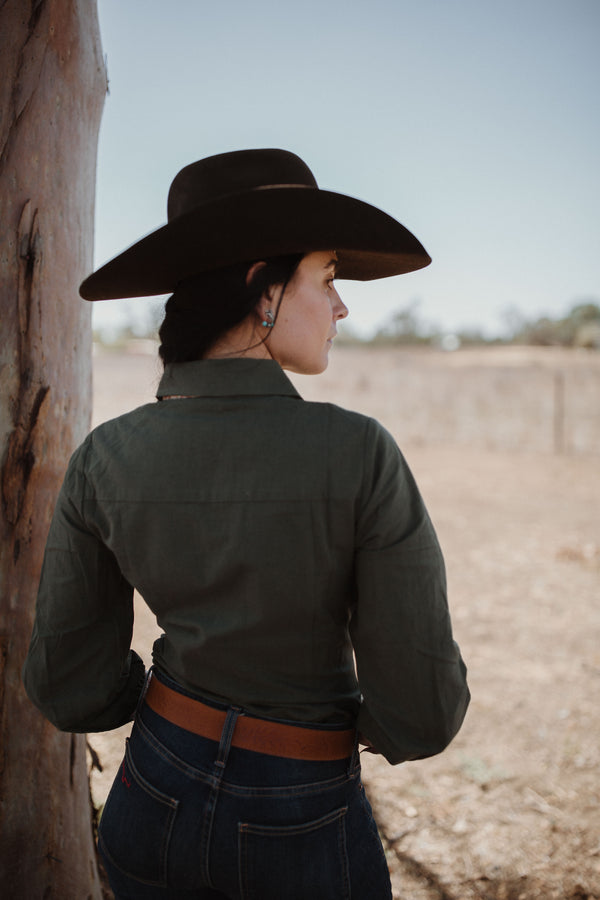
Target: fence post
{"points": [[559, 412]]}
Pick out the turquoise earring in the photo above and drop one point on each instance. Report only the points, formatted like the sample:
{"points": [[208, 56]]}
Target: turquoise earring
{"points": [[268, 322]]}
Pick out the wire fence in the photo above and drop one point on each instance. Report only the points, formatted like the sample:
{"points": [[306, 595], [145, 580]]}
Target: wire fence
{"points": [[526, 400]]}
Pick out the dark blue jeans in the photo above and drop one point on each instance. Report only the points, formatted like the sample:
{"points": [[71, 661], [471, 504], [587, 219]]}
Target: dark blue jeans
{"points": [[189, 818]]}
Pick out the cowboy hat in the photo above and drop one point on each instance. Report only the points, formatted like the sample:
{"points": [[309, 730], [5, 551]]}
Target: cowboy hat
{"points": [[250, 205]]}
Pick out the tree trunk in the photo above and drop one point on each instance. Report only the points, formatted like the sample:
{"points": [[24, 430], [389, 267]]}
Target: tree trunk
{"points": [[52, 88]]}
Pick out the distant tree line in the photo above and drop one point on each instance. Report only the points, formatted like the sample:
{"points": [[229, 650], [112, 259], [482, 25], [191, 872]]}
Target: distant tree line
{"points": [[580, 327]]}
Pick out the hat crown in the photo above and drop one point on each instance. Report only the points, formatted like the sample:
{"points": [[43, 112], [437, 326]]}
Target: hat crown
{"points": [[249, 205], [233, 173]]}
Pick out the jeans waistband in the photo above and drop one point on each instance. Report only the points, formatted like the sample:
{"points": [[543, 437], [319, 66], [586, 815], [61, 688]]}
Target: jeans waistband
{"points": [[250, 733]]}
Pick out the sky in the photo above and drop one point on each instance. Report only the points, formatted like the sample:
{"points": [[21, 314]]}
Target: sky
{"points": [[473, 122]]}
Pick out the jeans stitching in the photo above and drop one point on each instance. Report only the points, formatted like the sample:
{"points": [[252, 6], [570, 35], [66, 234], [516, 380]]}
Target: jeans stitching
{"points": [[146, 785], [285, 792], [302, 828], [343, 851], [336, 817], [192, 772], [164, 800], [105, 853], [242, 790], [211, 805]]}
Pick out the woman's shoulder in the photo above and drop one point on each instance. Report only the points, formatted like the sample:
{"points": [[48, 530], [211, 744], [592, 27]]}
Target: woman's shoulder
{"points": [[332, 416], [352, 429], [110, 433], [127, 421], [347, 419]]}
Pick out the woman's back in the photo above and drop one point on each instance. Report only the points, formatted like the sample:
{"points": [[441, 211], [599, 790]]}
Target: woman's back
{"points": [[270, 537], [232, 513]]}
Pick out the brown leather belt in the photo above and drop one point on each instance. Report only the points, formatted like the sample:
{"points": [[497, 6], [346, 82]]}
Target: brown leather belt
{"points": [[260, 735]]}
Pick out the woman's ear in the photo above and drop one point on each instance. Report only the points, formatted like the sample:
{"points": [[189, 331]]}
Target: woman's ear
{"points": [[254, 268], [262, 308]]}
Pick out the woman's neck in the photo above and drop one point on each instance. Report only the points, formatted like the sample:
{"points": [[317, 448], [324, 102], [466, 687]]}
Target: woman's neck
{"points": [[243, 341]]}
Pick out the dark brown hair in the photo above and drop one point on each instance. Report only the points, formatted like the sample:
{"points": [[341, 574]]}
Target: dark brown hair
{"points": [[203, 308]]}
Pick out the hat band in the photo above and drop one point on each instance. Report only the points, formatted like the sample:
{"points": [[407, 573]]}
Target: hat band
{"points": [[252, 190], [269, 187]]}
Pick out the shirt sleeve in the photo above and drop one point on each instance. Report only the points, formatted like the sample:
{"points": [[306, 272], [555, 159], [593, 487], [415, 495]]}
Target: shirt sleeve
{"points": [[410, 671], [80, 671]]}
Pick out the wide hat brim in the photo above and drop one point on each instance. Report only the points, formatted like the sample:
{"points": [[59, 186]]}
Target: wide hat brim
{"points": [[258, 224]]}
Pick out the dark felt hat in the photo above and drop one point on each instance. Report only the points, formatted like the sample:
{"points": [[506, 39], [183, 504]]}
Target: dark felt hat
{"points": [[251, 205]]}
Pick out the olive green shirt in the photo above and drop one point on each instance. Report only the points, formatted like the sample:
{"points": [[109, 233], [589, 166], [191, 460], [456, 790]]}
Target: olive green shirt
{"points": [[275, 540]]}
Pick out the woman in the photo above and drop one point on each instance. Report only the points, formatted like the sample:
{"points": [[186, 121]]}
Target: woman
{"points": [[274, 540]]}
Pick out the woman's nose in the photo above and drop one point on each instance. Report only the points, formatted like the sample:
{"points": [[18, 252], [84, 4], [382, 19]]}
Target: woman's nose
{"points": [[340, 310]]}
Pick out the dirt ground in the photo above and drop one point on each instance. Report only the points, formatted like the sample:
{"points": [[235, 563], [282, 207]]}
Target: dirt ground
{"points": [[511, 811]]}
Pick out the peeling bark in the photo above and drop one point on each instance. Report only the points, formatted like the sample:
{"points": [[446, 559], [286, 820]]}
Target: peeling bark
{"points": [[20, 459], [52, 88]]}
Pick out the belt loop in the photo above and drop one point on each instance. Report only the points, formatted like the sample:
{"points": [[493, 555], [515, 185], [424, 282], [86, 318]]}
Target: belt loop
{"points": [[227, 735], [355, 758], [142, 696]]}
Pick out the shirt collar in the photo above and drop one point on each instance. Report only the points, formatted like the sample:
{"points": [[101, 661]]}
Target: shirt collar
{"points": [[225, 377]]}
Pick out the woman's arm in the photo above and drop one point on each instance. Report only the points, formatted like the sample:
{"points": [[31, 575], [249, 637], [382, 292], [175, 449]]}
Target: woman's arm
{"points": [[410, 671], [80, 671]]}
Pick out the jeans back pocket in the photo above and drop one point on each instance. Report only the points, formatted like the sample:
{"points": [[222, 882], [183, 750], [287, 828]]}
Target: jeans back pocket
{"points": [[295, 861], [136, 824]]}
